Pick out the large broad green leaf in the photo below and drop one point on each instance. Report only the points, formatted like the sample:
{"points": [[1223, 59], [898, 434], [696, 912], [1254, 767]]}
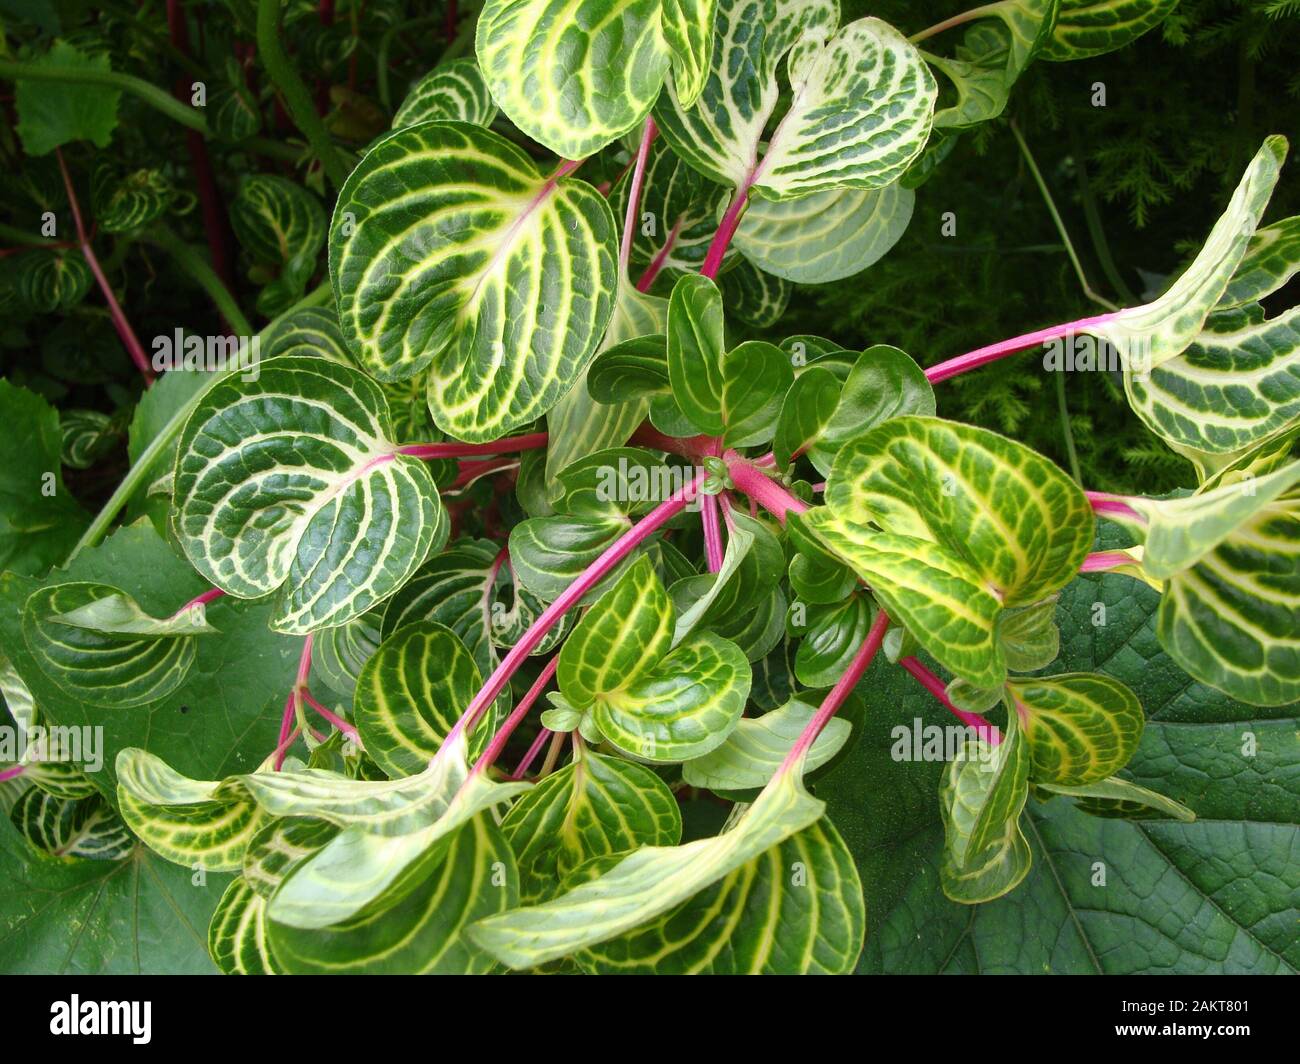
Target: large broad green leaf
{"points": [[96, 644], [825, 236], [796, 909], [646, 883], [220, 720], [423, 933], [575, 75], [451, 250], [291, 483], [592, 807], [40, 521], [1150, 335], [859, 114], [1080, 727], [970, 523], [1093, 27], [411, 692], [1104, 895], [51, 114], [451, 92], [138, 915]]}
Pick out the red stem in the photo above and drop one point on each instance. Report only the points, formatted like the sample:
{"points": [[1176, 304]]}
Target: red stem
{"points": [[526, 762], [516, 718], [712, 532], [449, 28], [291, 703], [509, 445], [763, 489], [657, 263], [726, 230], [1104, 560], [1113, 506], [470, 470], [692, 447], [12, 773], [983, 355], [927, 679], [344, 726], [200, 600], [634, 193], [124, 330], [832, 702], [594, 573]]}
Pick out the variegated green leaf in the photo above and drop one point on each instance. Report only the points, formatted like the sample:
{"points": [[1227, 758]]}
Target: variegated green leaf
{"points": [[52, 280], [756, 298], [1093, 27], [754, 751], [87, 436], [830, 635], [423, 932], [1080, 727], [1150, 335], [688, 31], [291, 483], [125, 202], [825, 236], [549, 553], [454, 91], [282, 225], [860, 112], [339, 654], [981, 798], [281, 846], [970, 523], [1028, 635], [72, 827], [796, 909], [310, 331], [98, 645], [592, 807], [506, 315], [1272, 259], [237, 941], [410, 694], [696, 346], [1117, 797], [646, 883], [192, 823]]}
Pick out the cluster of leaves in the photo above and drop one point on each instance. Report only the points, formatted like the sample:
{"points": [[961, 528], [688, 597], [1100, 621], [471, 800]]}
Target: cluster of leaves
{"points": [[512, 440]]}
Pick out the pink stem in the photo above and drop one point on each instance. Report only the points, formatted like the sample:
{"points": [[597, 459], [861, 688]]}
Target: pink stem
{"points": [[338, 722], [927, 679], [516, 718], [726, 230], [287, 733], [124, 330], [200, 600], [692, 447], [634, 193], [12, 773], [712, 532], [291, 703], [471, 470], [657, 263], [594, 573], [526, 762], [832, 702], [509, 445], [1104, 560], [1113, 506], [285, 745], [984, 355], [763, 489]]}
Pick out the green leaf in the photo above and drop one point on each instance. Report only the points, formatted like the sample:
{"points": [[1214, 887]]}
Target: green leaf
{"points": [[506, 315], [860, 112], [646, 883], [549, 553], [291, 483], [592, 807], [1119, 797], [53, 280], [1086, 28], [755, 750], [453, 91], [756, 298], [1272, 258], [96, 644], [281, 846], [411, 692], [825, 236], [280, 224], [123, 203], [695, 351], [88, 436], [1080, 727], [970, 522], [339, 654], [72, 827], [237, 939], [831, 635], [40, 521], [51, 114], [751, 567], [631, 369], [423, 933], [755, 378], [1028, 635], [794, 910], [809, 406]]}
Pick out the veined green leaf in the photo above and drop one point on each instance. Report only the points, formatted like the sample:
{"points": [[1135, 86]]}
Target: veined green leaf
{"points": [[281, 224], [648, 882], [755, 378], [1150, 335], [53, 280], [592, 807], [688, 31], [831, 635], [809, 406], [308, 331], [339, 654], [696, 346], [1117, 797], [824, 236], [292, 481], [755, 750], [237, 941], [496, 277], [1081, 727], [751, 566], [88, 435], [860, 111], [1028, 635], [279, 847], [1272, 258], [124, 202], [548, 553], [1093, 27], [137, 660], [423, 932], [796, 909], [411, 692], [72, 827], [756, 298], [454, 91]]}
